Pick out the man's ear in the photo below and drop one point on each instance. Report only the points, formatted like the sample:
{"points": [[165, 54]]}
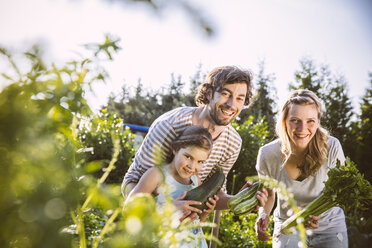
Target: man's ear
{"points": [[209, 94]]}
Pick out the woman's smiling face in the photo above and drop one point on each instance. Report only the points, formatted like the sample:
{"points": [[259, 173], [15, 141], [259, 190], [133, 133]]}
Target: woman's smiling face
{"points": [[302, 123]]}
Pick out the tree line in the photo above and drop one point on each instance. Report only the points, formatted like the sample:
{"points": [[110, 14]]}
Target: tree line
{"points": [[353, 128]]}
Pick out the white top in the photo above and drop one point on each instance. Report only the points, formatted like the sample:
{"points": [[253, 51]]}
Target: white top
{"points": [[166, 128], [270, 163], [175, 190]]}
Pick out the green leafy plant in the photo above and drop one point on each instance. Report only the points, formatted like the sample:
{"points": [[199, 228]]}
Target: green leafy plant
{"points": [[95, 136], [40, 108], [42, 180], [345, 187], [254, 134], [239, 231]]}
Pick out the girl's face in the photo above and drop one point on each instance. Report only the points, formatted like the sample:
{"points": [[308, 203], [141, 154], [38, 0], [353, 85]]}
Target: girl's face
{"points": [[189, 161], [302, 123]]}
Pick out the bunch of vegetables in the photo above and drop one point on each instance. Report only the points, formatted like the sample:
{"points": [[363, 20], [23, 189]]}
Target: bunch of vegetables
{"points": [[245, 201], [345, 188]]}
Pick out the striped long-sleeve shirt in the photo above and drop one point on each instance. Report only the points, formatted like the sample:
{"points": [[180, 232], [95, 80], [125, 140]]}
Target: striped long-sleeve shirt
{"points": [[165, 129]]}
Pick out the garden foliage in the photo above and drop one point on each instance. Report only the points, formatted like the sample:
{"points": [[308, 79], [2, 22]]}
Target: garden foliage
{"points": [[49, 144], [238, 231], [254, 134], [39, 112], [95, 136], [61, 164]]}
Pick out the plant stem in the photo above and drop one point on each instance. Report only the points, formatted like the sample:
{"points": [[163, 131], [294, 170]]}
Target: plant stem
{"points": [[316, 207], [110, 167], [105, 228]]}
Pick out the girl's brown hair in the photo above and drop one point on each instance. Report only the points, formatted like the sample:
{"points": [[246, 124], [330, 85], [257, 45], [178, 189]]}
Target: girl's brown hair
{"points": [[193, 136]]}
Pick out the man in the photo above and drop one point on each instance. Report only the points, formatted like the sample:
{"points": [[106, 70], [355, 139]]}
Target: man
{"points": [[220, 100]]}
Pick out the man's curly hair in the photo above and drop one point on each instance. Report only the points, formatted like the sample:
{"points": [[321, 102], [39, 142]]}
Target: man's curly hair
{"points": [[220, 76]]}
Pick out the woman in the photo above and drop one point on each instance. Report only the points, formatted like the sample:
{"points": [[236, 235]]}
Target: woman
{"points": [[300, 159]]}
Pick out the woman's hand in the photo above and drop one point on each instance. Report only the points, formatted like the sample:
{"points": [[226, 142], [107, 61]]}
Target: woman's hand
{"points": [[261, 195], [261, 227], [188, 210], [313, 223], [262, 198], [211, 204]]}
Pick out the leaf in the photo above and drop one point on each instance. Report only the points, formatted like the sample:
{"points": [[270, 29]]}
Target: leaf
{"points": [[93, 166]]}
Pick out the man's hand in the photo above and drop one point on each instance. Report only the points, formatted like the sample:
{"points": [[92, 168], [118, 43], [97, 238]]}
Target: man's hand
{"points": [[211, 204], [261, 227]]}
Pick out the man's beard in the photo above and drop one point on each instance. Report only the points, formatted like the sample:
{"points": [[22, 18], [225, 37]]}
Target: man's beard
{"points": [[217, 121]]}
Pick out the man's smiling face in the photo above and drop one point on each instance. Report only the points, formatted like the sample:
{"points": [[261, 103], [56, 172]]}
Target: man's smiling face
{"points": [[227, 103]]}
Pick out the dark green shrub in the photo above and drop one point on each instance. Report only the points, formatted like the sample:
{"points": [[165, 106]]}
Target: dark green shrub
{"points": [[254, 135], [238, 231], [95, 135]]}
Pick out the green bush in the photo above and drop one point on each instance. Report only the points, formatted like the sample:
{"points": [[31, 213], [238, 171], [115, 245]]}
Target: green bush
{"points": [[41, 181], [37, 148], [239, 231], [254, 135], [95, 136]]}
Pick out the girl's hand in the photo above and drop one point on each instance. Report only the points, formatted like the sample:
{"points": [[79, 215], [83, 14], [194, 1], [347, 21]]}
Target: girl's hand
{"points": [[261, 227], [313, 223], [185, 206], [246, 185], [211, 204], [188, 216]]}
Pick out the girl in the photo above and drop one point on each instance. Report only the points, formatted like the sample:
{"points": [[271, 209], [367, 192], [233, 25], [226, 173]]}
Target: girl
{"points": [[190, 151], [300, 159]]}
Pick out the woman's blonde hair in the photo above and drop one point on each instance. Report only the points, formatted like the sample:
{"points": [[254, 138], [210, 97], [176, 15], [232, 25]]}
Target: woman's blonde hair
{"points": [[317, 150]]}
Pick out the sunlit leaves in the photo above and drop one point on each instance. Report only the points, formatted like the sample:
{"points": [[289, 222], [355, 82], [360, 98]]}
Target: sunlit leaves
{"points": [[39, 112]]}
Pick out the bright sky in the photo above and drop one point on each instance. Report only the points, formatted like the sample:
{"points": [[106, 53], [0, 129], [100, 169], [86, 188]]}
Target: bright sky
{"points": [[334, 32]]}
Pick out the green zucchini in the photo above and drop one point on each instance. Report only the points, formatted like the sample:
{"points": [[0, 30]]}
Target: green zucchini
{"points": [[207, 189], [246, 206], [243, 195], [248, 200]]}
